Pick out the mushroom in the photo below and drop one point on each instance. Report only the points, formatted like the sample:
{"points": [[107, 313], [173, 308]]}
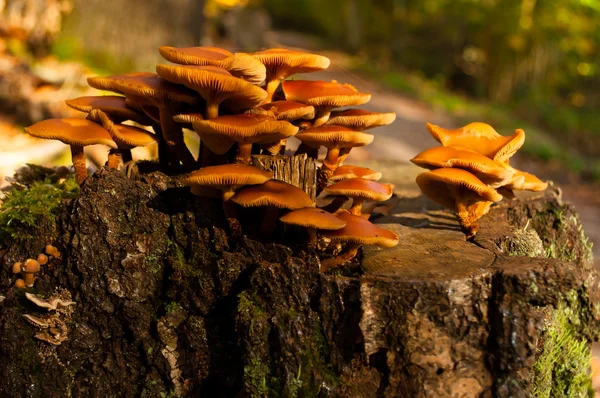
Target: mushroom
{"points": [[359, 119], [282, 63], [42, 259], [19, 284], [346, 172], [227, 178], [16, 268], [275, 195], [51, 304], [358, 231], [75, 132], [240, 65], [112, 105], [324, 96], [360, 190], [481, 138], [220, 133], [29, 268], [52, 251], [522, 181], [494, 174], [312, 219], [460, 191]]}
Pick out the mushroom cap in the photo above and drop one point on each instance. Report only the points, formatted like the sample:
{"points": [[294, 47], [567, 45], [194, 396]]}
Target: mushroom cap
{"points": [[523, 181], [447, 186], [188, 118], [109, 83], [289, 110], [346, 172], [311, 217], [482, 167], [227, 175], [281, 62], [324, 94], [215, 85], [361, 188], [154, 90], [42, 259], [30, 266], [16, 268], [359, 119], [480, 137], [72, 131], [130, 136], [332, 136], [360, 230], [273, 193], [220, 132], [112, 105], [240, 65]]}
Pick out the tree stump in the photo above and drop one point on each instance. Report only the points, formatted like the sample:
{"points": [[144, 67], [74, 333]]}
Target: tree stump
{"points": [[166, 303], [299, 170]]}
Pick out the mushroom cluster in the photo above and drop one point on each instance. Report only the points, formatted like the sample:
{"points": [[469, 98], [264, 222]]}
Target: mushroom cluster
{"points": [[239, 104], [471, 170]]}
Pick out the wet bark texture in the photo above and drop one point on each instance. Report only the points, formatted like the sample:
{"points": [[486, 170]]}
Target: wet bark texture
{"points": [[168, 304]]}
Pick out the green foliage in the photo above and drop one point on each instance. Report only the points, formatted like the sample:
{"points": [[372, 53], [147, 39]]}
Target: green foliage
{"points": [[562, 366], [23, 210]]}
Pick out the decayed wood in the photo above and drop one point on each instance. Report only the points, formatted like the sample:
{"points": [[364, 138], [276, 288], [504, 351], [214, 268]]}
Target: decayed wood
{"points": [[299, 170]]}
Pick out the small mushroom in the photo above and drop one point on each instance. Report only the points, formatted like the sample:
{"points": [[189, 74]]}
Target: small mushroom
{"points": [[360, 189], [16, 268], [112, 105], [460, 191], [359, 119], [52, 251], [52, 304], [42, 259], [358, 231], [29, 269], [19, 284], [312, 219], [347, 172]]}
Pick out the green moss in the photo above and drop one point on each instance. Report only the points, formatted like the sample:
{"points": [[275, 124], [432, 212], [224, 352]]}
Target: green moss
{"points": [[562, 366], [172, 307], [525, 242], [23, 211]]}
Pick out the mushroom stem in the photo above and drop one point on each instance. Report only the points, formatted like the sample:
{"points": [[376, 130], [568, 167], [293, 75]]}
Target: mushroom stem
{"points": [[331, 160], [79, 163], [173, 136], [235, 229], [321, 117], [114, 159], [469, 213], [269, 221], [276, 147], [311, 240], [272, 86], [337, 204], [356, 207], [243, 153], [212, 110], [346, 255], [29, 278]]}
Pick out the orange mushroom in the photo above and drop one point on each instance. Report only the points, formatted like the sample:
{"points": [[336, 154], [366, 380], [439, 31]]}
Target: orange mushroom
{"points": [[312, 219]]}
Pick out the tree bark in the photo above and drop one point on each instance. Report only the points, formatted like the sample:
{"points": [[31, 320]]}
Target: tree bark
{"points": [[300, 170]]}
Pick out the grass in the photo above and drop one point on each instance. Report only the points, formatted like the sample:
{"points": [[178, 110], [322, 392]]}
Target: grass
{"points": [[539, 143]]}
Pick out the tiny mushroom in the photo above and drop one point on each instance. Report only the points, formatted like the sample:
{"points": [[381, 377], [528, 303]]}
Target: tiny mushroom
{"points": [[281, 63], [358, 231], [16, 268], [29, 268], [481, 138], [312, 219], [19, 284], [494, 174], [460, 191], [52, 251], [42, 259], [75, 132], [324, 96], [360, 189], [273, 194]]}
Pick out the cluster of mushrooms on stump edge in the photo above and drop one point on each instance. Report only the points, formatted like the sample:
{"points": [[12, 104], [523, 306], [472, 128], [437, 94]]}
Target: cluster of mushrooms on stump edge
{"points": [[241, 104]]}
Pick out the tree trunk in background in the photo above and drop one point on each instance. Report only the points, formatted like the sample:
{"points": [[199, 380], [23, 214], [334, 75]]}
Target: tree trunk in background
{"points": [[127, 33]]}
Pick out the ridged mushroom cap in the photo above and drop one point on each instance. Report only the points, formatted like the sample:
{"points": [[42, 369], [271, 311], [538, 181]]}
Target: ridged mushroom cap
{"points": [[130, 136], [360, 230], [359, 119], [215, 85], [282, 63], [523, 181], [110, 83], [273, 193], [240, 65], [331, 136], [361, 188], [323, 94], [72, 131], [217, 133], [112, 105], [449, 186], [311, 217], [480, 137], [188, 118], [288, 110], [346, 172], [226, 176], [490, 172]]}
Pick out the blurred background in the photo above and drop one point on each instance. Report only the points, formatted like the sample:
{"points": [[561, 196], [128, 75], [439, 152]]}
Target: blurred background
{"points": [[514, 64]]}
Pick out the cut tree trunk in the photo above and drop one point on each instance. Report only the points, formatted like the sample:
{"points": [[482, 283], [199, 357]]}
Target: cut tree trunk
{"points": [[166, 304], [299, 170]]}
